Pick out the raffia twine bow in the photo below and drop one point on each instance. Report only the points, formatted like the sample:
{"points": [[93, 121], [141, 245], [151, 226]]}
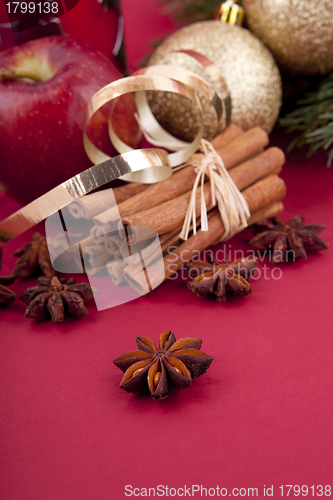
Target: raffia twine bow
{"points": [[231, 203]]}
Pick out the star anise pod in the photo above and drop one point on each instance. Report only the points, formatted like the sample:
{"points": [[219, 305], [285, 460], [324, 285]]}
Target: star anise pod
{"points": [[281, 238], [177, 362], [219, 279], [7, 296], [33, 257], [54, 297]]}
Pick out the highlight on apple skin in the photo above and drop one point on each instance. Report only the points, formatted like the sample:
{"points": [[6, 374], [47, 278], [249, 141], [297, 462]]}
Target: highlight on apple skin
{"points": [[45, 85]]}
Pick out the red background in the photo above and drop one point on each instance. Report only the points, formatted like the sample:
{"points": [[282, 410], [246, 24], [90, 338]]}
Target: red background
{"points": [[261, 415]]}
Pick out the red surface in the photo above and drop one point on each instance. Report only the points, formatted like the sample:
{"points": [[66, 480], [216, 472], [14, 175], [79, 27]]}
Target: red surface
{"points": [[144, 23], [261, 415]]}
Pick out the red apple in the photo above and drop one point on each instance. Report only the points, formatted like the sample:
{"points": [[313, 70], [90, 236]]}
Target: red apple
{"points": [[45, 86]]}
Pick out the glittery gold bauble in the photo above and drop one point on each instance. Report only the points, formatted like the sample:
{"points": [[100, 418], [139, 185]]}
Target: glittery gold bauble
{"points": [[299, 33], [248, 67]]}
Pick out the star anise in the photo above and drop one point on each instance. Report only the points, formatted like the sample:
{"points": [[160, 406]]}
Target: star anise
{"points": [[177, 362], [281, 238], [54, 297], [219, 279], [7, 296], [33, 257]]}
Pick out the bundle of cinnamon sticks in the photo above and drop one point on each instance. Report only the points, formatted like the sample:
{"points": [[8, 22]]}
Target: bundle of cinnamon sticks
{"points": [[163, 206]]}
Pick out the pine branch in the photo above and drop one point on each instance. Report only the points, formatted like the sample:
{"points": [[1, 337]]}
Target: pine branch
{"points": [[189, 11], [314, 118]]}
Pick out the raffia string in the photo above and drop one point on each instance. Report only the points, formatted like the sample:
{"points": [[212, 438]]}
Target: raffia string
{"points": [[231, 203]]}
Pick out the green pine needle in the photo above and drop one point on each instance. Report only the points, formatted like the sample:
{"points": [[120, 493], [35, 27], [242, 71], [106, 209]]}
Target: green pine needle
{"points": [[314, 118]]}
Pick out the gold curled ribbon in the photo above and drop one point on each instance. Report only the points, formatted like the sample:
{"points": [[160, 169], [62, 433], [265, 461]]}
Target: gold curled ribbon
{"points": [[217, 97], [153, 130], [141, 82], [80, 185]]}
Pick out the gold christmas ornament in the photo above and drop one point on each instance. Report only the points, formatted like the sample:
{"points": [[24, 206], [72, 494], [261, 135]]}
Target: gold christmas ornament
{"points": [[248, 68], [298, 33]]}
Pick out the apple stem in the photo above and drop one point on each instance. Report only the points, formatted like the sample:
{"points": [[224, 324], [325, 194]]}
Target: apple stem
{"points": [[8, 75]]}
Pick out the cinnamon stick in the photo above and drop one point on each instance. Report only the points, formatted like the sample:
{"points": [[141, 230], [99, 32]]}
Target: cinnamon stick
{"points": [[165, 241], [266, 163], [112, 243], [260, 197], [95, 256], [228, 135], [267, 212], [116, 270], [171, 214], [99, 233], [121, 193], [155, 194], [242, 146], [271, 210]]}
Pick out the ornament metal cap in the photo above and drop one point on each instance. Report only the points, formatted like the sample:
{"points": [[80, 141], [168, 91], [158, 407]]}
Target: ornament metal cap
{"points": [[230, 12]]}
